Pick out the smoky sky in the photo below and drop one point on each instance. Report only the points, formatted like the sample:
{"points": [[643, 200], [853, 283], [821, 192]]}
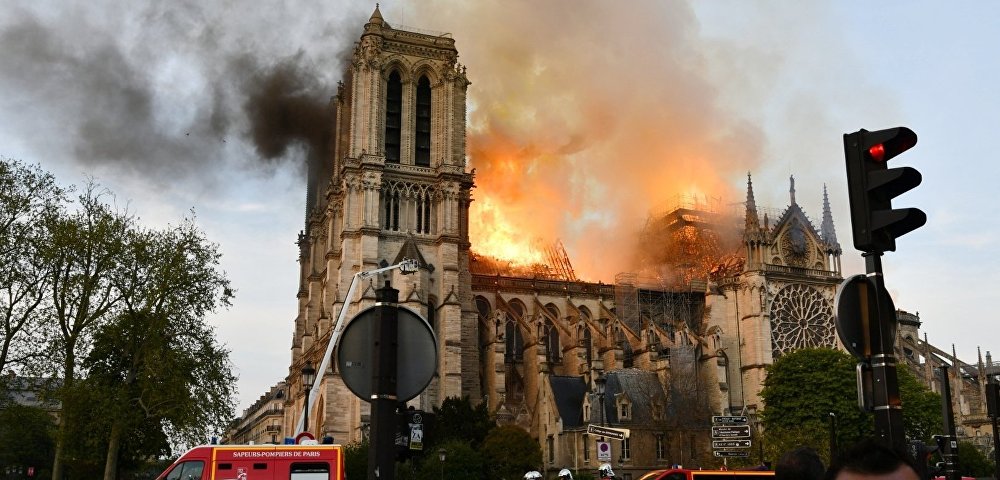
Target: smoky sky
{"points": [[178, 90]]}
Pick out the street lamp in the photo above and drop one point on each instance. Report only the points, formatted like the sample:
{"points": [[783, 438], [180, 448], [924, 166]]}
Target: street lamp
{"points": [[599, 390], [308, 375], [441, 454], [833, 436]]}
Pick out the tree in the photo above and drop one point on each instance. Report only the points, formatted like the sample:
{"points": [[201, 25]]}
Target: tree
{"points": [[457, 419], [509, 451], [157, 362], [803, 387], [28, 198], [801, 390], [83, 255], [921, 406], [356, 460], [972, 462], [26, 437], [461, 461]]}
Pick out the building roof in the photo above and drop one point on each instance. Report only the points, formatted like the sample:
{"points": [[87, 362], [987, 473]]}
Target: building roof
{"points": [[568, 393]]}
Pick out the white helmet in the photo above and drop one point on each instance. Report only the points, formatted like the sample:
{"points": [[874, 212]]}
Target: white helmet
{"points": [[605, 471], [532, 475], [565, 474]]}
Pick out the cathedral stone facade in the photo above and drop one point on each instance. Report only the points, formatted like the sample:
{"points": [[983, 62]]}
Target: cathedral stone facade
{"points": [[658, 356]]}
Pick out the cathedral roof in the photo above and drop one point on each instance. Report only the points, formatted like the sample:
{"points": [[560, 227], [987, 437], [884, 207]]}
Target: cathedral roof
{"points": [[568, 393]]}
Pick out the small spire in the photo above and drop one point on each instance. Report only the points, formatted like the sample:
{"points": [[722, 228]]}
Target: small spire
{"points": [[376, 16], [791, 178], [827, 230], [752, 220]]}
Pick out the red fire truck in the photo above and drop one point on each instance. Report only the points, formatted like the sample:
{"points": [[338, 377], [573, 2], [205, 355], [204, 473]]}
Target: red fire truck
{"points": [[258, 462]]}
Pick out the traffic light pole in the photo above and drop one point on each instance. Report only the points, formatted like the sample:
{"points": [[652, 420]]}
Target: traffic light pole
{"points": [[381, 450], [949, 452], [888, 408]]}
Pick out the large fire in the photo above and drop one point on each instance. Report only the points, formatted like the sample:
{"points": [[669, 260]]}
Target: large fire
{"points": [[577, 132]]}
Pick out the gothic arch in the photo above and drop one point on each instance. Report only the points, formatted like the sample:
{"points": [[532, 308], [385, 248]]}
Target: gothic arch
{"points": [[398, 65], [424, 67]]}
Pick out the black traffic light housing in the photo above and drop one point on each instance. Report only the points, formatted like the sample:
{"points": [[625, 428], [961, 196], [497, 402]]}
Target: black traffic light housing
{"points": [[872, 186]]}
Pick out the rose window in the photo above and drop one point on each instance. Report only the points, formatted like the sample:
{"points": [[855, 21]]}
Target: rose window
{"points": [[801, 318]]}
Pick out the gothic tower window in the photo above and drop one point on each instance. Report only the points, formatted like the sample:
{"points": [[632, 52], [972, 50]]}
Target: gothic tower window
{"points": [[588, 346], [551, 342], [424, 212], [391, 205], [422, 137], [393, 117]]}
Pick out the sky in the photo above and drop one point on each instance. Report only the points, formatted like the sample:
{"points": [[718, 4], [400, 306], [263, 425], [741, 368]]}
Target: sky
{"points": [[585, 117]]}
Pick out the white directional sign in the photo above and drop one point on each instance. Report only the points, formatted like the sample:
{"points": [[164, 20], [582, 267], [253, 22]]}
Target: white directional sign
{"points": [[730, 443], [615, 433], [732, 453], [729, 420], [731, 431]]}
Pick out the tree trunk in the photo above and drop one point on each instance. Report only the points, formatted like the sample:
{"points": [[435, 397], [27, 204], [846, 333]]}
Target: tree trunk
{"points": [[114, 445], [68, 377]]}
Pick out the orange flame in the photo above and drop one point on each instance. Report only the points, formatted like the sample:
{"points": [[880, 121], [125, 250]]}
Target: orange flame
{"points": [[577, 133]]}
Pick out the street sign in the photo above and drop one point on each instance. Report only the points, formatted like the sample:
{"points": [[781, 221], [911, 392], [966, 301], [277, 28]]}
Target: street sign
{"points": [[866, 316], [615, 433], [603, 451], [729, 419], [416, 362], [730, 443], [731, 453], [731, 431]]}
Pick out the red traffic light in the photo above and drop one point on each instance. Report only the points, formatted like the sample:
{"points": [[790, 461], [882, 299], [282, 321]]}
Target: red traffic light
{"points": [[877, 152]]}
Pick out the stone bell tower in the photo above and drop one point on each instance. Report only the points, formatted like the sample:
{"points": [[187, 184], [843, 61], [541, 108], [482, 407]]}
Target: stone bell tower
{"points": [[395, 187]]}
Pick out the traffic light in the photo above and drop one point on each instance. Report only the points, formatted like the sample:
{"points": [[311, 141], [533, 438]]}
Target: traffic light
{"points": [[872, 186]]}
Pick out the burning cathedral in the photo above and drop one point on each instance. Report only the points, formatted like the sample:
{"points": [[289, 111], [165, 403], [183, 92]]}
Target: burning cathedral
{"points": [[658, 351]]}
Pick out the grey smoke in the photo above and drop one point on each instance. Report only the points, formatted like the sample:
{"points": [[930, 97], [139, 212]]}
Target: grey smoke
{"points": [[174, 90]]}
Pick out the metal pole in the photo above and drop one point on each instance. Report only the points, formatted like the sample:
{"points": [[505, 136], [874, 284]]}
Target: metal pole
{"points": [[381, 454], [833, 436], [886, 403], [992, 391], [996, 451], [950, 452], [305, 413]]}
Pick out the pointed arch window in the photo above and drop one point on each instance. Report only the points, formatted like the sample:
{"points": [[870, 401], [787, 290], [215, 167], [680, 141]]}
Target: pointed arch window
{"points": [[393, 117], [588, 346], [422, 126], [552, 350]]}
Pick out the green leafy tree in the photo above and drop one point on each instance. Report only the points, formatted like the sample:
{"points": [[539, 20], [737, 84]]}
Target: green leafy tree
{"points": [[157, 361], [84, 254], [29, 197], [457, 419], [461, 461], [921, 406], [26, 435], [356, 461], [509, 451], [803, 387], [972, 462]]}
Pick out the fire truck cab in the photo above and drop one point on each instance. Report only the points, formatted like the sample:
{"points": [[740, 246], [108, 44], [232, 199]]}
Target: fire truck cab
{"points": [[258, 462]]}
